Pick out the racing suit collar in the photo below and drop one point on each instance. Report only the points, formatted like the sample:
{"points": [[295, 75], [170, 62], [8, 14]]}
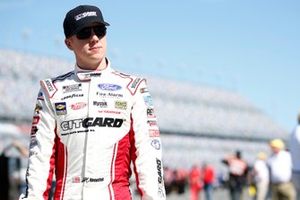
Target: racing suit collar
{"points": [[86, 75]]}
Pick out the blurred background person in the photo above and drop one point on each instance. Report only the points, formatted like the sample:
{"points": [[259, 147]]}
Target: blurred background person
{"points": [[260, 174], [280, 165], [294, 145], [238, 169], [180, 180], [195, 181], [18, 175], [169, 178], [208, 180]]}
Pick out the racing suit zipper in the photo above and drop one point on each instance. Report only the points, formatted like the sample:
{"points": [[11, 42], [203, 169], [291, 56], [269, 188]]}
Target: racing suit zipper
{"points": [[86, 140]]}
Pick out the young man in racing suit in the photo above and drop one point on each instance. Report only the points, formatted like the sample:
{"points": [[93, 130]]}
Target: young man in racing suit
{"points": [[90, 123]]}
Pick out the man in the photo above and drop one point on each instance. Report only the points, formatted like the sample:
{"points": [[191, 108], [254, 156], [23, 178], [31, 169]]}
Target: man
{"points": [[208, 180], [260, 173], [280, 165], [238, 169], [90, 123], [294, 144], [195, 181]]}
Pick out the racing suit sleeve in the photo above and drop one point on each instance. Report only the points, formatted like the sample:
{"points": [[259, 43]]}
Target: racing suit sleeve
{"points": [[41, 151], [147, 154]]}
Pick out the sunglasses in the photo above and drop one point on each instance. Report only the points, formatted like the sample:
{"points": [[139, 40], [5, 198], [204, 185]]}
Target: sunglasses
{"points": [[86, 33]]}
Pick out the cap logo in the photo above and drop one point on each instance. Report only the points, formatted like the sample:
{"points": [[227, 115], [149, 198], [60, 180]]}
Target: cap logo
{"points": [[85, 14]]}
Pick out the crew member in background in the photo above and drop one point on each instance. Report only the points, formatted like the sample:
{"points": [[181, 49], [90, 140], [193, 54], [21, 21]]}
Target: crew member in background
{"points": [[280, 165], [238, 169], [260, 174], [208, 180], [195, 181]]}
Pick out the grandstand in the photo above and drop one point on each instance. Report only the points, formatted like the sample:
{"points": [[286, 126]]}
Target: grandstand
{"points": [[198, 123]]}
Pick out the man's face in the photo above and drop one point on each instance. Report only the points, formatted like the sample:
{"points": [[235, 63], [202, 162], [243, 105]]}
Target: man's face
{"points": [[89, 46]]}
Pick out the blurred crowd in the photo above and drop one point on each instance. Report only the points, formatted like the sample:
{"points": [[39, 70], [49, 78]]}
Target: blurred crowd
{"points": [[272, 176]]}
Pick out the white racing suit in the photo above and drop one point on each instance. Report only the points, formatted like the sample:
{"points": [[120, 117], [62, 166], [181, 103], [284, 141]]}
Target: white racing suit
{"points": [[87, 128]]}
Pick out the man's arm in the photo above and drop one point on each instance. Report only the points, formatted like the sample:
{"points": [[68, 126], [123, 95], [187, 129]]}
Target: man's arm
{"points": [[147, 154], [41, 160]]}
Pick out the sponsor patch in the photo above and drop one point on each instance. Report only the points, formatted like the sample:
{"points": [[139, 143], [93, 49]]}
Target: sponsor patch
{"points": [[49, 85], [121, 105], [92, 180], [109, 112], [159, 171], [72, 88], [35, 120], [33, 141], [109, 87], [37, 109], [71, 96], [109, 95], [101, 104], [77, 106], [152, 122], [85, 76], [148, 100], [156, 144], [40, 96], [150, 113], [61, 108], [154, 133], [91, 122]]}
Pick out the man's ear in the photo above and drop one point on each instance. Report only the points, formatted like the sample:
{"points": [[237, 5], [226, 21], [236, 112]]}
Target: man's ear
{"points": [[68, 44]]}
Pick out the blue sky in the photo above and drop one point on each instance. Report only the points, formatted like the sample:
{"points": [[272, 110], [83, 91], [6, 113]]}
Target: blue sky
{"points": [[248, 46]]}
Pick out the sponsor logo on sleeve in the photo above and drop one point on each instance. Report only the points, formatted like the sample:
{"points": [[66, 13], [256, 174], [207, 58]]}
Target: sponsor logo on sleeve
{"points": [[35, 120], [40, 96], [49, 85], [150, 113], [156, 144], [159, 171], [152, 122], [33, 141], [148, 100], [154, 133], [37, 109]]}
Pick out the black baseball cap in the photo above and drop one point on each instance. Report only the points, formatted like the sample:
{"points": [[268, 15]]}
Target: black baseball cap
{"points": [[80, 17]]}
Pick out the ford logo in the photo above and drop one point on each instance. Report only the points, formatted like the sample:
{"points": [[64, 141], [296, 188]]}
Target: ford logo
{"points": [[108, 86]]}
